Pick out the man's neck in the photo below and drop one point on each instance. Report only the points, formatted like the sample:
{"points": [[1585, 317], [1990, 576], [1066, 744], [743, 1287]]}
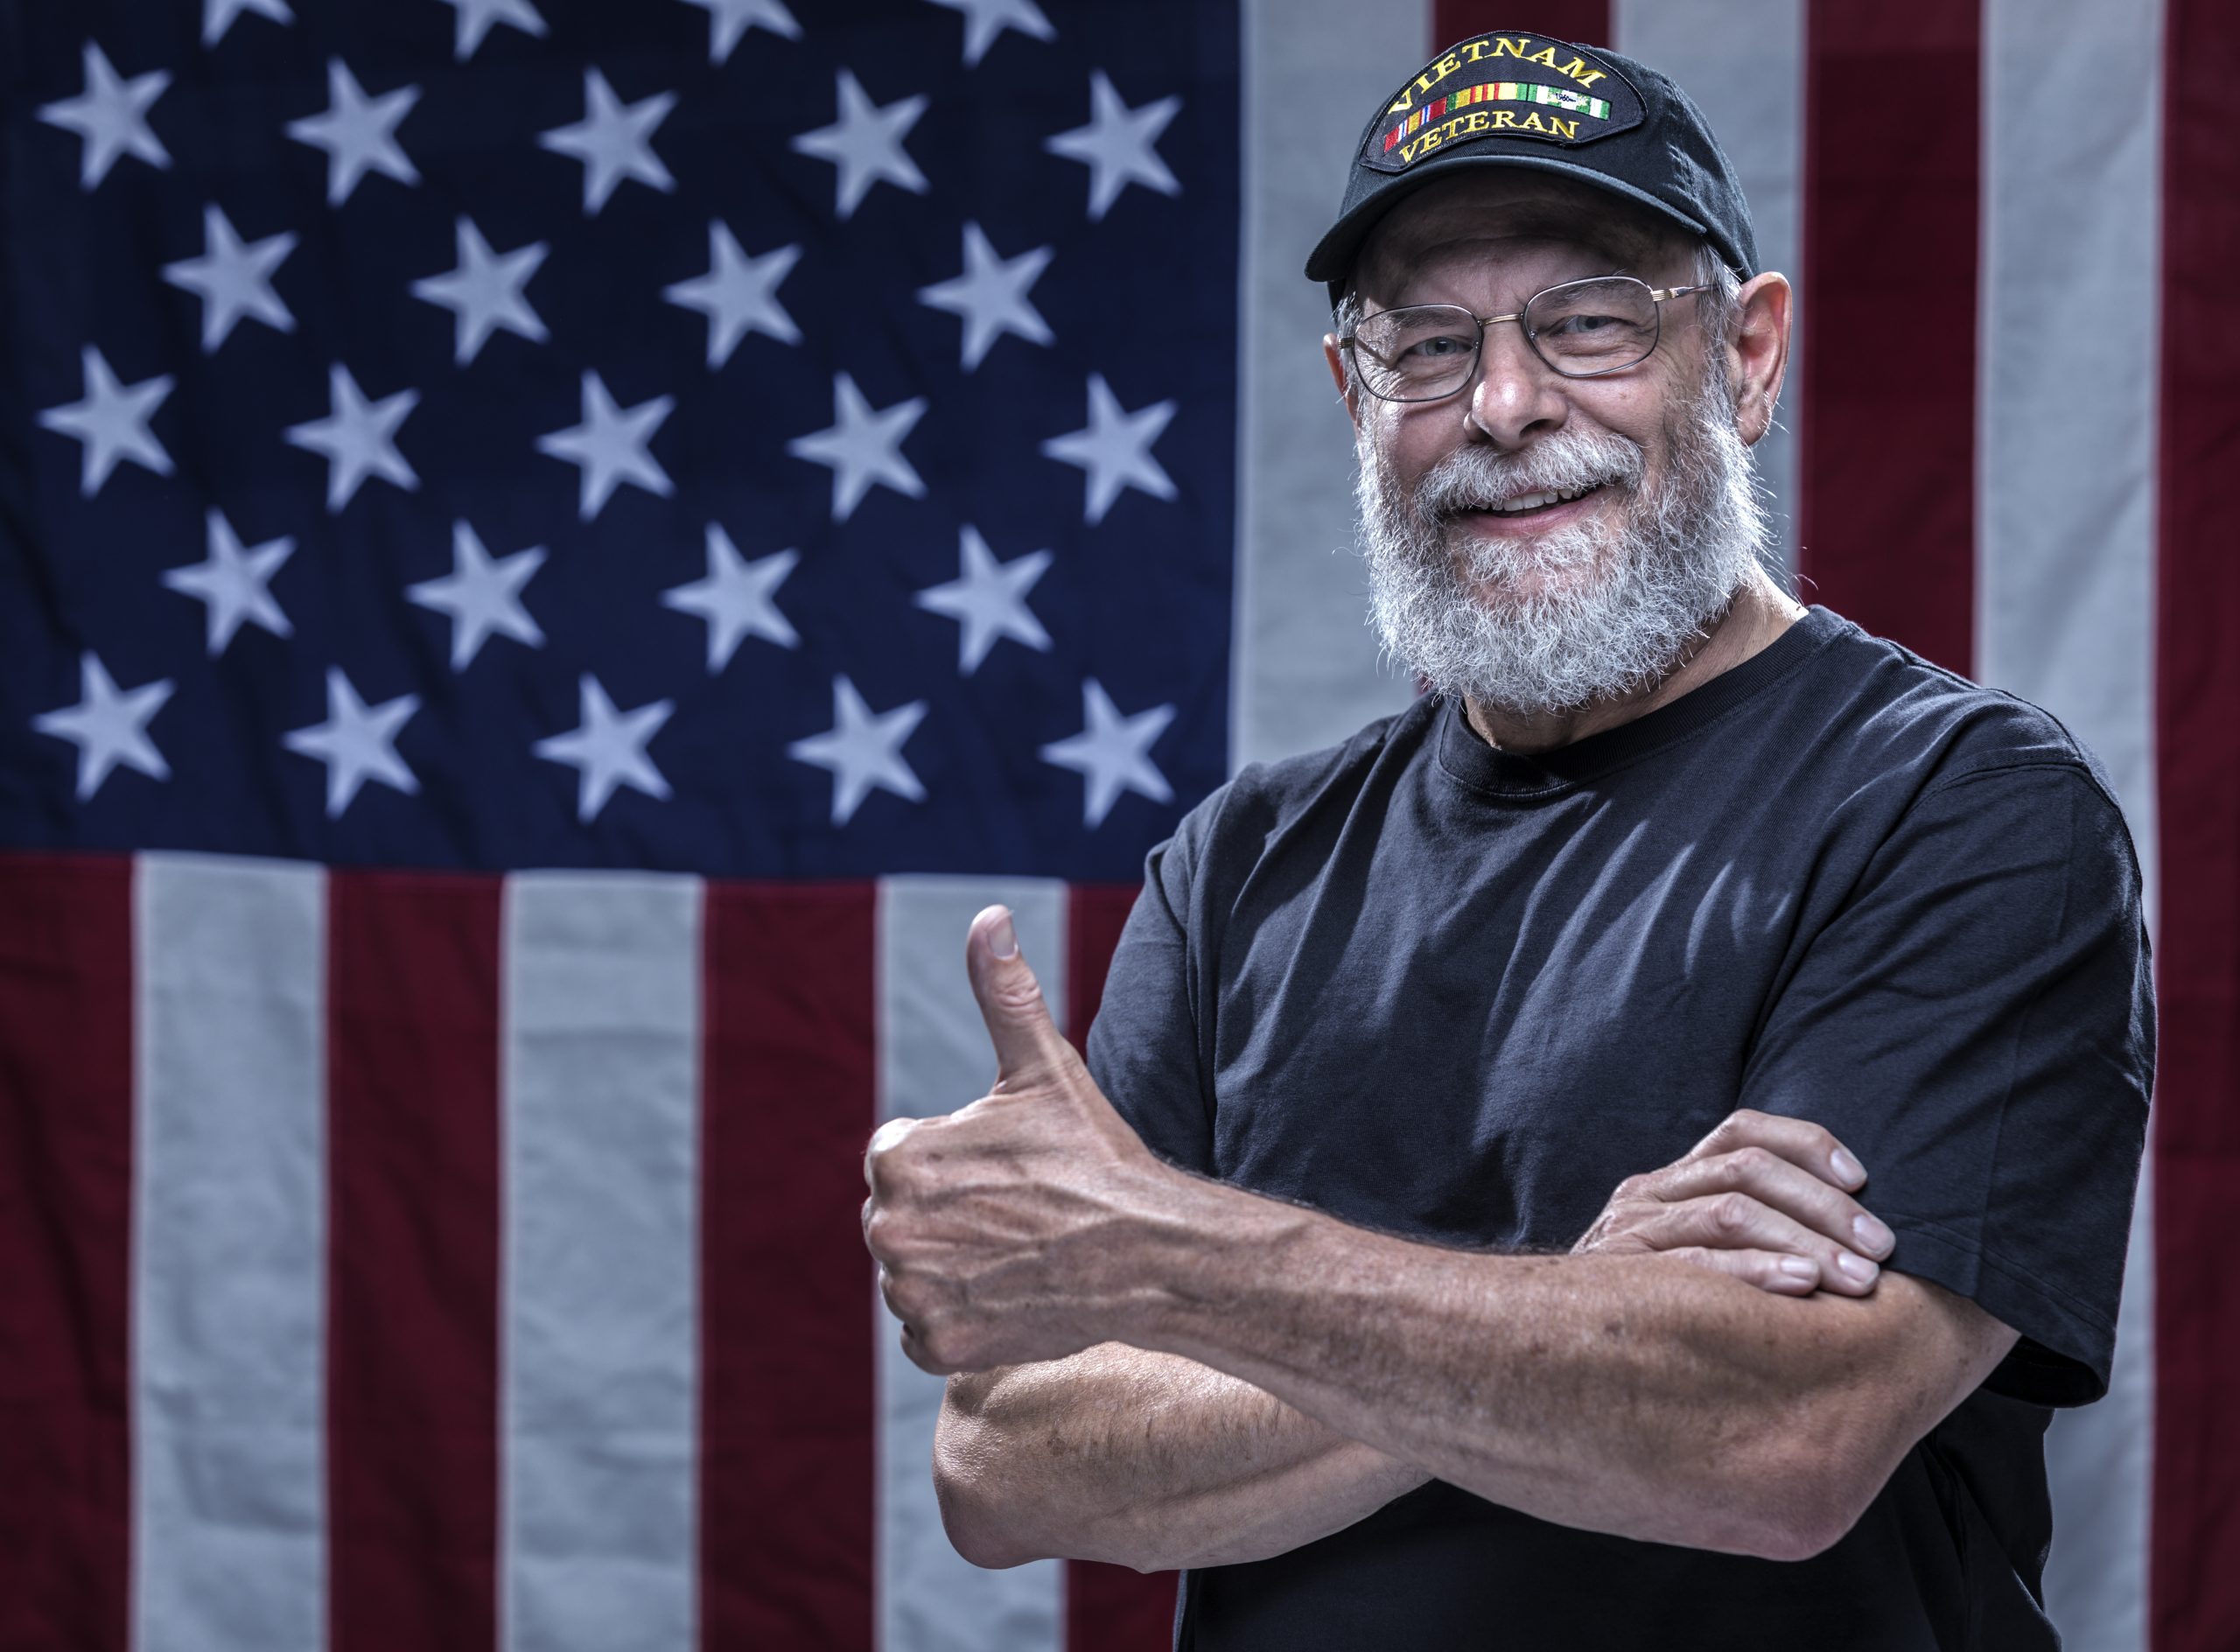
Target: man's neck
{"points": [[1759, 613]]}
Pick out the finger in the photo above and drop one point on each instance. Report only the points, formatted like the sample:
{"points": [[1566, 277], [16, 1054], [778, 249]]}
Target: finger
{"points": [[879, 1234], [915, 1349], [1808, 1146], [1772, 1180], [884, 1140], [1027, 1042], [1736, 1221], [1769, 1271]]}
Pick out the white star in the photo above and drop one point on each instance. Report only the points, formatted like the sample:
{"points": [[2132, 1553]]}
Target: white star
{"points": [[1115, 448], [608, 749], [865, 144], [737, 598], [109, 727], [610, 446], [613, 141], [862, 750], [1117, 145], [1113, 753], [485, 292], [111, 420], [478, 18], [233, 280], [357, 742], [739, 295], [729, 19], [482, 595], [357, 437], [991, 295], [218, 15], [985, 19], [863, 447], [232, 584], [988, 600], [358, 133], [111, 116]]}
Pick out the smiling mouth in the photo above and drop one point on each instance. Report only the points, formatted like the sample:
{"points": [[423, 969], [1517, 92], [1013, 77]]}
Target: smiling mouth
{"points": [[1533, 504]]}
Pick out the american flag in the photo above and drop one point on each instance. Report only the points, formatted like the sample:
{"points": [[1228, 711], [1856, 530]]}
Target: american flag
{"points": [[552, 554]]}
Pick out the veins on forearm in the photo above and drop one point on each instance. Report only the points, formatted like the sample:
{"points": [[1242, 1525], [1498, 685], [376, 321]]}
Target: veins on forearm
{"points": [[1602, 1391], [1120, 1453]]}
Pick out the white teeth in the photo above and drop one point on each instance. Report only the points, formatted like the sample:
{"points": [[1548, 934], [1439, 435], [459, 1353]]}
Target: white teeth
{"points": [[1535, 501]]}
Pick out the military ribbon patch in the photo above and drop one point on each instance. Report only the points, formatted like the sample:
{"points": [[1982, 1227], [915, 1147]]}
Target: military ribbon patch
{"points": [[1570, 97]]}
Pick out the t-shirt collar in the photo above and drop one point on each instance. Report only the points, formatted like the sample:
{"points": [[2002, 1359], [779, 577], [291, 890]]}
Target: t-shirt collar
{"points": [[1464, 754]]}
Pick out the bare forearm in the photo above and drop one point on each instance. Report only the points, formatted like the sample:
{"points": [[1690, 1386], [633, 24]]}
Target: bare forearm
{"points": [[1628, 1395], [1146, 1459]]}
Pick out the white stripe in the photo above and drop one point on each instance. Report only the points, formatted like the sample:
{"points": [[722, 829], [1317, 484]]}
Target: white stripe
{"points": [[934, 1057], [2100, 1464], [1304, 669], [229, 1257], [2065, 536], [600, 1336], [1743, 62]]}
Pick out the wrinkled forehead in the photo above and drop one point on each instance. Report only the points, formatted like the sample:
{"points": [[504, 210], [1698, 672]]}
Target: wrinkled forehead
{"points": [[1491, 213]]}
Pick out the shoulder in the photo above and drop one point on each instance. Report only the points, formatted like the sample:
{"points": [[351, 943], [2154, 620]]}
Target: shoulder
{"points": [[1898, 712], [1267, 802]]}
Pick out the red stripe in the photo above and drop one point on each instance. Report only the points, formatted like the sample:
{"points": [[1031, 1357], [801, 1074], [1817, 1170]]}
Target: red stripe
{"points": [[65, 1248], [1887, 499], [1107, 1608], [1582, 22], [2196, 1515], [412, 1277], [1094, 916], [786, 1466]]}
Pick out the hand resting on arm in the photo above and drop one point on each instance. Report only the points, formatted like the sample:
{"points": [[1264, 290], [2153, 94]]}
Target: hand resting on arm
{"points": [[1153, 1461]]}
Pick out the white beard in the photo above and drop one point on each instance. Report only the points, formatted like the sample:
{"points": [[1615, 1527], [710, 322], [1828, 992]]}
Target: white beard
{"points": [[1620, 607]]}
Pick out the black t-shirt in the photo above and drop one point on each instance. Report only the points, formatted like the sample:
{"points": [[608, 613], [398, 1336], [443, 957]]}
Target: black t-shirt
{"points": [[1458, 994]]}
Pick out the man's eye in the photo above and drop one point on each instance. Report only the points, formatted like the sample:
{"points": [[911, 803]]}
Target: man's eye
{"points": [[1576, 326], [1433, 348]]}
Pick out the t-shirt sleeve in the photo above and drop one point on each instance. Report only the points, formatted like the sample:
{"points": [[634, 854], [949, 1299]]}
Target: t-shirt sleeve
{"points": [[1976, 1023], [1143, 1047]]}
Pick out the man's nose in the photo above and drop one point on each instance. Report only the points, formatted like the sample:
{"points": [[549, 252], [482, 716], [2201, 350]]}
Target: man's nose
{"points": [[1516, 396]]}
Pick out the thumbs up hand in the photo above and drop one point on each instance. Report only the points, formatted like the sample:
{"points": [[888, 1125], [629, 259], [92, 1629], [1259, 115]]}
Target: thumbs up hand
{"points": [[1009, 1231]]}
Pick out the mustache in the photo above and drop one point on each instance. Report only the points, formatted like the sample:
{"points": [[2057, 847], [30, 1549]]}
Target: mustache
{"points": [[1569, 461], [1657, 570]]}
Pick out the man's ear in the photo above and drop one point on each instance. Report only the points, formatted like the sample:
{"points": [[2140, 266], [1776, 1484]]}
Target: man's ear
{"points": [[1757, 351], [1337, 361]]}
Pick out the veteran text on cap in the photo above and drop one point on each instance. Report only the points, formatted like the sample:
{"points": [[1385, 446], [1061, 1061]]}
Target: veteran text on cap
{"points": [[1512, 98]]}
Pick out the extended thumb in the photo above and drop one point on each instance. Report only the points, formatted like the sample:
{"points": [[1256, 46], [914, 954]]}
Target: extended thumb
{"points": [[1026, 1040]]}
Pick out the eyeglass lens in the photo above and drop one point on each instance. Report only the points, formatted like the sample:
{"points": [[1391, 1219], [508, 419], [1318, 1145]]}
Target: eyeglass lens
{"points": [[1583, 327]]}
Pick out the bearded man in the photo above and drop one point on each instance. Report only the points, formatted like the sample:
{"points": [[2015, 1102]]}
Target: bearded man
{"points": [[1311, 1281]]}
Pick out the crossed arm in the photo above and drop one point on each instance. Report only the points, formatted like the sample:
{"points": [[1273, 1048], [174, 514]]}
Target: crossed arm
{"points": [[1143, 1459], [1311, 1372], [1160, 1369]]}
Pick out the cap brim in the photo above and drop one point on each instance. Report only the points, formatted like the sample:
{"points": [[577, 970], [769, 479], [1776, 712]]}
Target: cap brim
{"points": [[1332, 257]]}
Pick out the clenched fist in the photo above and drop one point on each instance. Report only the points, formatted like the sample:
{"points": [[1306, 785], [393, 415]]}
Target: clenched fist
{"points": [[1009, 1230]]}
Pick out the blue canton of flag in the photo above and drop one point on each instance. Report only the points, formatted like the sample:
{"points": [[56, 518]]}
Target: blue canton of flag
{"points": [[720, 436]]}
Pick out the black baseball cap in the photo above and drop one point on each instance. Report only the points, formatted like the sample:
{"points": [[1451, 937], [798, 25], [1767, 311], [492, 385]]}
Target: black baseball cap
{"points": [[1510, 98]]}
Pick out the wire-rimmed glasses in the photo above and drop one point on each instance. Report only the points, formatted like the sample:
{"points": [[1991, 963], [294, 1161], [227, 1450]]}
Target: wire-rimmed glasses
{"points": [[1581, 329]]}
